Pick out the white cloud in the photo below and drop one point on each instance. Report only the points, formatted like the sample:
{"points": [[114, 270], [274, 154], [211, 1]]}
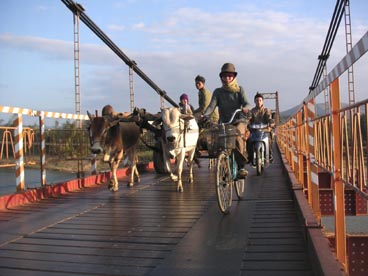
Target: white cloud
{"points": [[58, 49], [41, 8], [272, 51], [37, 44], [114, 27], [138, 26]]}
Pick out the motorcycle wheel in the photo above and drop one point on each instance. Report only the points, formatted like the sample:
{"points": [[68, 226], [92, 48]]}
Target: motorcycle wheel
{"points": [[259, 166]]}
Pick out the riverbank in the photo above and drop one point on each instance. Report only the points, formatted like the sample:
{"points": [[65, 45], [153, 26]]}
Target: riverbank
{"points": [[68, 166]]}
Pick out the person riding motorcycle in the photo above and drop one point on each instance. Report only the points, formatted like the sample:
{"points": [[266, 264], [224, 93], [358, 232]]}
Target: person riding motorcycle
{"points": [[260, 114]]}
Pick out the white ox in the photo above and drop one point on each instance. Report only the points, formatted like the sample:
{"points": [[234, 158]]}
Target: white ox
{"points": [[180, 135]]}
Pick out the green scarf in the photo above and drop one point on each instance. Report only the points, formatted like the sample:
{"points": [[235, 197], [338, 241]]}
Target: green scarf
{"points": [[232, 86]]}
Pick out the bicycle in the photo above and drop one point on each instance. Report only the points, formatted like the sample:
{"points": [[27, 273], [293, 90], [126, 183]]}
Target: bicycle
{"points": [[222, 144]]}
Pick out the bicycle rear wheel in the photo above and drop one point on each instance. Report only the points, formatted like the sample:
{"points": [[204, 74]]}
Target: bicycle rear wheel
{"points": [[224, 182]]}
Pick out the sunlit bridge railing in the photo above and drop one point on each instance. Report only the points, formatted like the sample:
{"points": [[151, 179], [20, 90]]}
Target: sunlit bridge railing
{"points": [[328, 153], [353, 147]]}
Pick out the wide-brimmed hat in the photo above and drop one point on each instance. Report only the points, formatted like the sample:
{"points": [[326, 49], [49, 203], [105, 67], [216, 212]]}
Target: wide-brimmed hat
{"points": [[228, 68]]}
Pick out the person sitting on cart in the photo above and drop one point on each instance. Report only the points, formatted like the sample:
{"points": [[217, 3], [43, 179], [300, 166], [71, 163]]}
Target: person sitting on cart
{"points": [[184, 105], [261, 115], [229, 97], [186, 108]]}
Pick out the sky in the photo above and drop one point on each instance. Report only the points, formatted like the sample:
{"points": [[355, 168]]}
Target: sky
{"points": [[274, 45]]}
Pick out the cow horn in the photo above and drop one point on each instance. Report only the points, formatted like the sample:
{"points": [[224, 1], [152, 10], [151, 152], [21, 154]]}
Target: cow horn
{"points": [[89, 115]]}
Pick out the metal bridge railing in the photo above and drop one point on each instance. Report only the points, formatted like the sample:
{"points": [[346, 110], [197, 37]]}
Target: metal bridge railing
{"points": [[334, 145], [21, 146]]}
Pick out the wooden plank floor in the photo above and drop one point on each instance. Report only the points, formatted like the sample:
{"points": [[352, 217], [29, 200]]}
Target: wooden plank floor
{"points": [[153, 230]]}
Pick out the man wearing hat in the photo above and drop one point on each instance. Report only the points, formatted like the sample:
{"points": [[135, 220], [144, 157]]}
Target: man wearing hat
{"points": [[229, 97]]}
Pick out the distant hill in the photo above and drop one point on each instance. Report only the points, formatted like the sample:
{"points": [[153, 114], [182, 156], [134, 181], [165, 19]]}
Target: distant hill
{"points": [[320, 110]]}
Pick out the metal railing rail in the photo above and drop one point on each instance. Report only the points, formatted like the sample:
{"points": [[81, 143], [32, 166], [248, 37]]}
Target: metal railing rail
{"points": [[23, 145], [8, 142], [335, 143], [20, 140]]}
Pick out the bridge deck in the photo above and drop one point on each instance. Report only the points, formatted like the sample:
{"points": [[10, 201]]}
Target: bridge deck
{"points": [[153, 230]]}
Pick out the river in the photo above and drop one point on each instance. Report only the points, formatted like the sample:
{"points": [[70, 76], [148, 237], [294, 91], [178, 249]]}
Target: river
{"points": [[32, 179]]}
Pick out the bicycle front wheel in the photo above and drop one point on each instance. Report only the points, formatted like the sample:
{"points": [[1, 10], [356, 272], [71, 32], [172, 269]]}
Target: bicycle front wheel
{"points": [[224, 182]]}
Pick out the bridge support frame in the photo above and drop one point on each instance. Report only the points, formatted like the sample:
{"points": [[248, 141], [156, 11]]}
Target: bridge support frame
{"points": [[337, 184]]}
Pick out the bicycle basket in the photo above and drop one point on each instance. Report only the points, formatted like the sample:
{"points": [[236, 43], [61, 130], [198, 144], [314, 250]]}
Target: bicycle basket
{"points": [[221, 138]]}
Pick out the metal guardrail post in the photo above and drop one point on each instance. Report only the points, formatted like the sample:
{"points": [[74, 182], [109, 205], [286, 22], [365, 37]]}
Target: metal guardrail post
{"points": [[42, 148], [18, 134], [299, 167], [338, 185], [293, 144], [93, 164], [312, 176]]}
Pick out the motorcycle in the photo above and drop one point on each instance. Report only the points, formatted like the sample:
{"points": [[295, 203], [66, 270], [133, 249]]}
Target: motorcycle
{"points": [[258, 146]]}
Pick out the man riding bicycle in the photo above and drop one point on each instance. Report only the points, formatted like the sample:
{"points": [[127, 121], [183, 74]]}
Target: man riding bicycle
{"points": [[229, 97]]}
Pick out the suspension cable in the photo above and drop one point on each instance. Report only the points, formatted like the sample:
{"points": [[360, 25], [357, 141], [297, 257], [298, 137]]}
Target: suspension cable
{"points": [[71, 5], [331, 34]]}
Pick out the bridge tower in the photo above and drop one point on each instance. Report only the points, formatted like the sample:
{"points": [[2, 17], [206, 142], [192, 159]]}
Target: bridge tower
{"points": [[349, 46], [78, 9], [131, 84], [76, 20]]}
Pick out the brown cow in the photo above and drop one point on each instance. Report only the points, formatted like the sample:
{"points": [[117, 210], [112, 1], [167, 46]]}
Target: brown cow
{"points": [[115, 139]]}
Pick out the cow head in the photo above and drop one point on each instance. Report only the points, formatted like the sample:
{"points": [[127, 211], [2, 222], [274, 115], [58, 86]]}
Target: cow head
{"points": [[98, 129], [173, 126], [139, 115]]}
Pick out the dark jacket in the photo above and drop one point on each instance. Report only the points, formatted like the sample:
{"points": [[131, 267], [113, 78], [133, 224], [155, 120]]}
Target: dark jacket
{"points": [[261, 115], [227, 103]]}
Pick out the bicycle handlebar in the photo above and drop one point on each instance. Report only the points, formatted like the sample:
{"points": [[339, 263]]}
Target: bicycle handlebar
{"points": [[232, 117]]}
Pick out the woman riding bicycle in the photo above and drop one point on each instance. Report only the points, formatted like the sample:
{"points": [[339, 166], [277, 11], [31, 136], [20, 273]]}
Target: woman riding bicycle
{"points": [[228, 98]]}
